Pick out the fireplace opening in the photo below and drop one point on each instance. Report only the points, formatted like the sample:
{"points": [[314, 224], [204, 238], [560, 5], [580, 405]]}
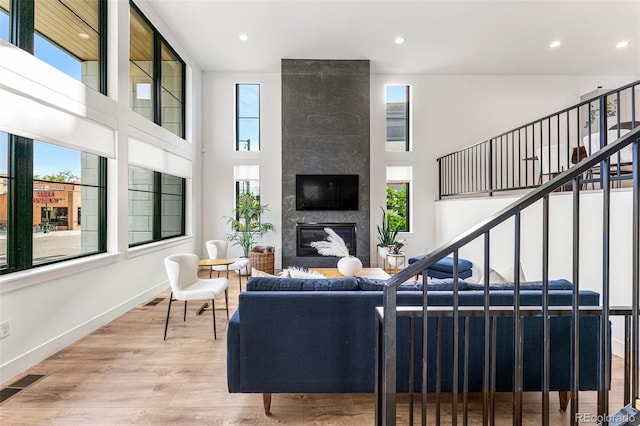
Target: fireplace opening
{"points": [[306, 233]]}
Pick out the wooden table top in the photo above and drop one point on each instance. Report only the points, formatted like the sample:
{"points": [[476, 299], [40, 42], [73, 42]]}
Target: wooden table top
{"points": [[215, 262], [374, 273]]}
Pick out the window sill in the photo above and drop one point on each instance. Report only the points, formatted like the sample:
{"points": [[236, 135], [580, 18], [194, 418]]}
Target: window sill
{"points": [[22, 279], [158, 245]]}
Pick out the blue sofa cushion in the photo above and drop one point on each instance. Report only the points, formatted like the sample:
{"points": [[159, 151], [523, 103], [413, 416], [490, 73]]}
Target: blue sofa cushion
{"points": [[445, 264], [367, 284], [434, 273], [527, 285], [300, 284]]}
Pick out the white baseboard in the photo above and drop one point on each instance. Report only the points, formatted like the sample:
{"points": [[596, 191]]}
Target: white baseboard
{"points": [[27, 360], [617, 347]]}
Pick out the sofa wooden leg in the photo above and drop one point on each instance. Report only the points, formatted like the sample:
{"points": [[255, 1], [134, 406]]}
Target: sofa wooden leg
{"points": [[565, 396], [266, 401]]}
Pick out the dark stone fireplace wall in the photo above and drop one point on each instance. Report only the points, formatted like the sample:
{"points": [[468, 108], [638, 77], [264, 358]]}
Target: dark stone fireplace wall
{"points": [[325, 130]]}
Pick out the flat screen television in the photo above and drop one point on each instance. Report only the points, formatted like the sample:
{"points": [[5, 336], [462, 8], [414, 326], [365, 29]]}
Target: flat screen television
{"points": [[326, 192]]}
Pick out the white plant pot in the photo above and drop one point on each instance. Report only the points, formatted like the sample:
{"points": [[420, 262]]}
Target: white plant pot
{"points": [[383, 251], [349, 266]]}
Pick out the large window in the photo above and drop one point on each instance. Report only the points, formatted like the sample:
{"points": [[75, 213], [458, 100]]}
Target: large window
{"points": [[247, 179], [247, 117], [67, 34], [4, 19], [156, 76], [398, 130], [43, 187], [156, 206], [398, 197]]}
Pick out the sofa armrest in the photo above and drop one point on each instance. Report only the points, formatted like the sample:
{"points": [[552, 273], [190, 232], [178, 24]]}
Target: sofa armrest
{"points": [[233, 353]]}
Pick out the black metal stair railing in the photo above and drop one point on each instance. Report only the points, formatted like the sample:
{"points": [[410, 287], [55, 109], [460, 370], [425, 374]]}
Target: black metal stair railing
{"points": [[525, 157], [388, 314]]}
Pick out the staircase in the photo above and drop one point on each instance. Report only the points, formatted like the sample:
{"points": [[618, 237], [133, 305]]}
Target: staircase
{"points": [[496, 165]]}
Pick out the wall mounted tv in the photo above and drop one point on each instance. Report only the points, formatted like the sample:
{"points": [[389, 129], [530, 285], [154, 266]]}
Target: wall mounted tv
{"points": [[326, 192]]}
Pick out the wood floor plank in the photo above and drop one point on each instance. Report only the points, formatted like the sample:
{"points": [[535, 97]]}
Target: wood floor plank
{"points": [[124, 373]]}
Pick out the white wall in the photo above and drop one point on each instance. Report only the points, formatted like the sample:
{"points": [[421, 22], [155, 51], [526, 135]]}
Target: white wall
{"points": [[455, 216], [52, 306], [220, 156], [452, 112]]}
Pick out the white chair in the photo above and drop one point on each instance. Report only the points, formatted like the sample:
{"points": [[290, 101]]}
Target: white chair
{"points": [[217, 249], [182, 270]]}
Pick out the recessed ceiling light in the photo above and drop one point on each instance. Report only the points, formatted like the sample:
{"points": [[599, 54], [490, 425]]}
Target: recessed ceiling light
{"points": [[622, 44], [84, 36], [400, 40], [555, 44], [243, 37]]}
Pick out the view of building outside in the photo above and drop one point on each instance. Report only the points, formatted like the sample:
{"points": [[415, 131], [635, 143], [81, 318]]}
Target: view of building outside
{"points": [[65, 202]]}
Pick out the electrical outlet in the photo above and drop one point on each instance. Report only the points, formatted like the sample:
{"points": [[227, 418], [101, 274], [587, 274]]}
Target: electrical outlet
{"points": [[5, 329]]}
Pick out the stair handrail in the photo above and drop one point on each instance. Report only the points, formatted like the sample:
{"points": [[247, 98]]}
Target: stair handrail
{"points": [[388, 351]]}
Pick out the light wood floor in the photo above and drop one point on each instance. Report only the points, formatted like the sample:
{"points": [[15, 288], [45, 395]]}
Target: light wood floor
{"points": [[124, 373]]}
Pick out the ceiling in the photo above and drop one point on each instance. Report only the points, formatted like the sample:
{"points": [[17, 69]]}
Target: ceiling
{"points": [[442, 37]]}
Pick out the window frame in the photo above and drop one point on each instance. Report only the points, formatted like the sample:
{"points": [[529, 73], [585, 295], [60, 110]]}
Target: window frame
{"points": [[157, 208], [22, 33], [238, 117], [20, 207], [407, 203], [158, 41], [407, 120]]}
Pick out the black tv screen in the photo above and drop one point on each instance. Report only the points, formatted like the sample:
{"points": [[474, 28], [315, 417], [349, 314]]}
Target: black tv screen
{"points": [[327, 192]]}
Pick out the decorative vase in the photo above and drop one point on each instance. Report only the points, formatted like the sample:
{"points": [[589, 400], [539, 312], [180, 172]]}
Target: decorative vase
{"points": [[349, 266]]}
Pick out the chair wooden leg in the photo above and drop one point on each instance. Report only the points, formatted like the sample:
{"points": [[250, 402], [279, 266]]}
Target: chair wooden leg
{"points": [[226, 302], [240, 279], [184, 317], [213, 312], [266, 401], [210, 271], [564, 396], [166, 324]]}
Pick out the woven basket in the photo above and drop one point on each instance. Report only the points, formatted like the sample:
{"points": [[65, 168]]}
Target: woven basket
{"points": [[263, 262]]}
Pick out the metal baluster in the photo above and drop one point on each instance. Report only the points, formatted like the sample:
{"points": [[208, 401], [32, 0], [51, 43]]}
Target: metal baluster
{"points": [[545, 310], [635, 367], [465, 402], [517, 371], [438, 369], [603, 394], [411, 368], [456, 331], [494, 338], [425, 347], [575, 312], [487, 335]]}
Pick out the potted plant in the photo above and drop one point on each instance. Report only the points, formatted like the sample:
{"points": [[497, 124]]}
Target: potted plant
{"points": [[245, 222], [386, 236]]}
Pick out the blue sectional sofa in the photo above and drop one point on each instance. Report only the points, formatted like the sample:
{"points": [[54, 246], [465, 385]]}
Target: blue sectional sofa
{"points": [[318, 336]]}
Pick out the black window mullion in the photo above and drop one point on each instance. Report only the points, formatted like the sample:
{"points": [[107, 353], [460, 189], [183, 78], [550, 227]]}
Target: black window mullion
{"points": [[102, 206], [157, 78], [183, 227], [102, 27], [22, 23], [237, 118], [157, 206], [406, 206], [20, 226], [407, 126]]}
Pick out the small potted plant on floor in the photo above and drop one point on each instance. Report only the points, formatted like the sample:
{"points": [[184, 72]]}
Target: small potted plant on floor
{"points": [[386, 236], [247, 227]]}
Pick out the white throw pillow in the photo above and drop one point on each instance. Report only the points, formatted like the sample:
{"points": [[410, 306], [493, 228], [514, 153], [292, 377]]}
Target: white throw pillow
{"points": [[504, 276], [303, 273]]}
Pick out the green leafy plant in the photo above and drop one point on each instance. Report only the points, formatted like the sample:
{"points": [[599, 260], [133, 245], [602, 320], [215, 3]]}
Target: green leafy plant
{"points": [[245, 222], [386, 233], [397, 207]]}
